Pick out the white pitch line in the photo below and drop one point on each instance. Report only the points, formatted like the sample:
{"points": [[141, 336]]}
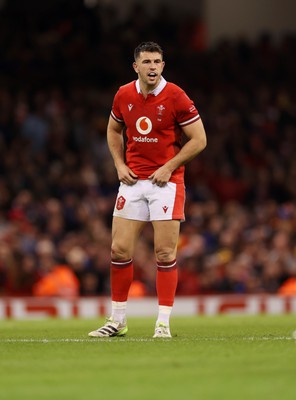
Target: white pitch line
{"points": [[198, 339], [74, 340]]}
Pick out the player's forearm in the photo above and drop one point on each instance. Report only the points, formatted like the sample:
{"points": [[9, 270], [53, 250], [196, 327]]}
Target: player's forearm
{"points": [[116, 147], [188, 152], [197, 142]]}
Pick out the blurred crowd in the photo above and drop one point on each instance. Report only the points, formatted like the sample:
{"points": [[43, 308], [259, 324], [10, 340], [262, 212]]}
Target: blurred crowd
{"points": [[59, 71]]}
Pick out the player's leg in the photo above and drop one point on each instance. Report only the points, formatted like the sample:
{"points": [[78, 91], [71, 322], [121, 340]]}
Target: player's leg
{"points": [[166, 207], [124, 235], [129, 217], [166, 235], [125, 232]]}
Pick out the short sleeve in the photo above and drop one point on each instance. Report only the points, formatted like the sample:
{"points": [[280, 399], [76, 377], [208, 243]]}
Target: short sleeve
{"points": [[186, 111], [115, 111]]}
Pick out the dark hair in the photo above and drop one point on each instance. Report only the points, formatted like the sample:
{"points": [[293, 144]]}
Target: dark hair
{"points": [[147, 46]]}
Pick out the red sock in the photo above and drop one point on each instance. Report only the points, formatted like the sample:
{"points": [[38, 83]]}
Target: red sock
{"points": [[166, 282], [121, 279]]}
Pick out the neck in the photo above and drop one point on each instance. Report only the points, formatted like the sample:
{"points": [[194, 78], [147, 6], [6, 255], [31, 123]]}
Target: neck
{"points": [[146, 89]]}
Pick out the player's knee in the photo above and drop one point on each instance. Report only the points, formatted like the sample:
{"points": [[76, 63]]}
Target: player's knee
{"points": [[165, 254], [119, 252]]}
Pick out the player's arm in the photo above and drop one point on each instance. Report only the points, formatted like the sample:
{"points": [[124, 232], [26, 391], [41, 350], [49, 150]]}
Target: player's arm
{"points": [[116, 147], [197, 142]]}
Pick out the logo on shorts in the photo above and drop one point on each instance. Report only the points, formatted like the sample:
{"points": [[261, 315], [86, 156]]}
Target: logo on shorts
{"points": [[120, 203], [165, 208], [144, 125]]}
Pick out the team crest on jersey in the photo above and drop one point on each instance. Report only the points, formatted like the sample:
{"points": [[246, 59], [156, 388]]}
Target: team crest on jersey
{"points": [[120, 203], [130, 106], [160, 110], [144, 125]]}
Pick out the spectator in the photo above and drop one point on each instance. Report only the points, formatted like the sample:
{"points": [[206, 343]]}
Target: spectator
{"points": [[57, 181]]}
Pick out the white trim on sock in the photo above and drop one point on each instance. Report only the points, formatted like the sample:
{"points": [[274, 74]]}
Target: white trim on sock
{"points": [[119, 311], [164, 313], [121, 263], [119, 305]]}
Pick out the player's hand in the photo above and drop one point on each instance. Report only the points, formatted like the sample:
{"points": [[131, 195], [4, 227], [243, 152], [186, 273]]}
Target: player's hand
{"points": [[126, 175], [161, 176]]}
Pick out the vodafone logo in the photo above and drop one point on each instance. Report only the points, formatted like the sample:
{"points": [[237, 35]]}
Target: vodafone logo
{"points": [[144, 125]]}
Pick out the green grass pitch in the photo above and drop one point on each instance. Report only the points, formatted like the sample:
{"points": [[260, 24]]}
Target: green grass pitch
{"points": [[222, 357]]}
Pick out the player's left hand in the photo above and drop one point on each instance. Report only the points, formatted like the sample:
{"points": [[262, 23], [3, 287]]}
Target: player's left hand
{"points": [[161, 176]]}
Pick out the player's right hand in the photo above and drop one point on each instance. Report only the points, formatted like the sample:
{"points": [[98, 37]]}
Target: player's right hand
{"points": [[126, 175]]}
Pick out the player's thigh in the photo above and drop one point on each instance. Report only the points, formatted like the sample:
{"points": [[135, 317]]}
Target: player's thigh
{"points": [[124, 235], [166, 237]]}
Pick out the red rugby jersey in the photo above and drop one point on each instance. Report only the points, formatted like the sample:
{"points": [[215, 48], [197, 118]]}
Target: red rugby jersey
{"points": [[153, 125]]}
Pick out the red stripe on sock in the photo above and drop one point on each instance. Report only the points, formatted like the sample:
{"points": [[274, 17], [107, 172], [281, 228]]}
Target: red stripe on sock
{"points": [[121, 278], [166, 284], [166, 266]]}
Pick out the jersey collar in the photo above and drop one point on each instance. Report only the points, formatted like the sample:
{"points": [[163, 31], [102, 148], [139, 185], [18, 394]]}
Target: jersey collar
{"points": [[155, 91]]}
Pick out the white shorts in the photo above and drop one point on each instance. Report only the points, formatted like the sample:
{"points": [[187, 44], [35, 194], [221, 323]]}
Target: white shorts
{"points": [[145, 201]]}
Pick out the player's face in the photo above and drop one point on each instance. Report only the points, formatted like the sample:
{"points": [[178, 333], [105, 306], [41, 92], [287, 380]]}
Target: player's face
{"points": [[149, 67]]}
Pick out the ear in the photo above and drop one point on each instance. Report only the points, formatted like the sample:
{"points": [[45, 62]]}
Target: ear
{"points": [[135, 67]]}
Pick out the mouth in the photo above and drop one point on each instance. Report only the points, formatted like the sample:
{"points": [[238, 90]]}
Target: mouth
{"points": [[152, 75]]}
